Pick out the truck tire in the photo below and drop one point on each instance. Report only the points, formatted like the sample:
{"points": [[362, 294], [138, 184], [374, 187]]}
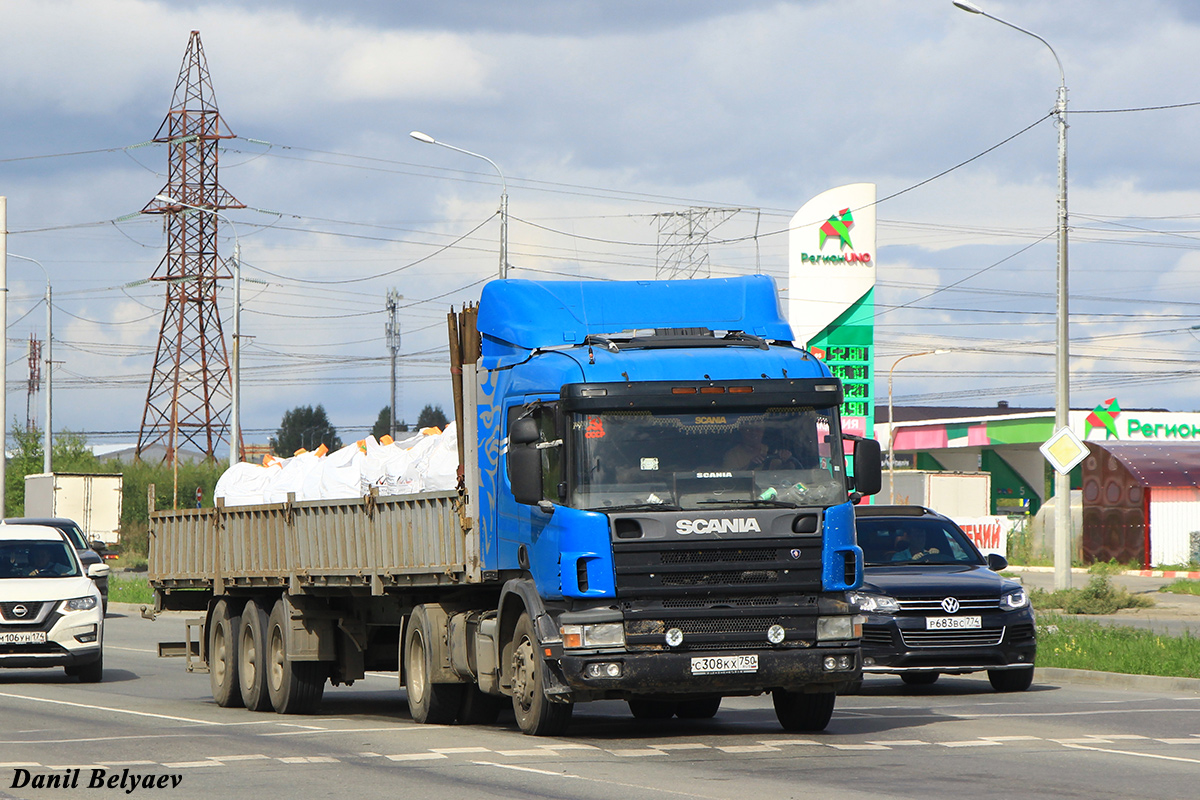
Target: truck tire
{"points": [[223, 631], [295, 687], [644, 708], [252, 657], [1010, 680], [428, 702], [536, 715], [798, 711], [698, 709], [478, 708]]}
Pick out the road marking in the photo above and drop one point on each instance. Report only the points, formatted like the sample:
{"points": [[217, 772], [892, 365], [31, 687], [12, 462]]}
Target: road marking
{"points": [[415, 757], [254, 757], [531, 752], [859, 747], [976, 743], [190, 764], [899, 742], [748, 748], [394, 729], [451, 751], [783, 742], [1013, 738], [1135, 755], [547, 772], [650, 751], [683, 746], [106, 708], [129, 649]]}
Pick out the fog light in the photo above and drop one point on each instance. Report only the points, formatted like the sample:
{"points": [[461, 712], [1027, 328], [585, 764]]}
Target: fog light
{"points": [[845, 662], [830, 663], [868, 662], [674, 637], [89, 635], [602, 669], [776, 634]]}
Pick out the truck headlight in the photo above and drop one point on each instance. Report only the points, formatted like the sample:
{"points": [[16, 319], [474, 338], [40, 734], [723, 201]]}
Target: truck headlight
{"points": [[835, 628], [873, 603], [601, 634], [1012, 600], [80, 603]]}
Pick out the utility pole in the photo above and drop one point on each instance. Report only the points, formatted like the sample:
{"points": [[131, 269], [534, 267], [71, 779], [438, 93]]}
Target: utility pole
{"points": [[3, 348], [392, 329]]}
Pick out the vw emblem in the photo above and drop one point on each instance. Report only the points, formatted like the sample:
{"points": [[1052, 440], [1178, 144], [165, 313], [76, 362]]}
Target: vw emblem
{"points": [[950, 605], [795, 554], [20, 611]]}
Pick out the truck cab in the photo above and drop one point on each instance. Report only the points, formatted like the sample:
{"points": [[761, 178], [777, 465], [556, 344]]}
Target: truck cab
{"points": [[667, 498]]}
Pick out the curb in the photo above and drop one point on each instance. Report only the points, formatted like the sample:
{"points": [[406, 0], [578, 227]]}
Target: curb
{"points": [[1119, 680], [1134, 573]]}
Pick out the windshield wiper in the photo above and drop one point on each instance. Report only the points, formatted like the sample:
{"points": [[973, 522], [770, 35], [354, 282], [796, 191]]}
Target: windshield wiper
{"points": [[642, 506], [751, 503]]}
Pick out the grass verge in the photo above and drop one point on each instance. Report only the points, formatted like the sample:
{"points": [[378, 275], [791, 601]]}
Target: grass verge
{"points": [[1082, 644], [129, 587], [1182, 586], [1100, 596]]}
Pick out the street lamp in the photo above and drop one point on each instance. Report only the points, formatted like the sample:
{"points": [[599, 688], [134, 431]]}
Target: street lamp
{"points": [[235, 382], [427, 139], [891, 424], [47, 441], [1062, 359]]}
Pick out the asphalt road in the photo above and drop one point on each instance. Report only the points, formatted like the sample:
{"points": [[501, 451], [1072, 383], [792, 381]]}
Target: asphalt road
{"points": [[956, 738]]}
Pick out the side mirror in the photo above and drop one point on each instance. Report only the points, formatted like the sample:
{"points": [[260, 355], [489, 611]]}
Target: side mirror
{"points": [[996, 562], [525, 462], [868, 474], [97, 570]]}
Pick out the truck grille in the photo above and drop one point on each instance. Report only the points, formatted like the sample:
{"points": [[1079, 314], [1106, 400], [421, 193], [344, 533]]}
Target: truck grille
{"points": [[989, 637], [933, 605], [678, 569], [719, 633]]}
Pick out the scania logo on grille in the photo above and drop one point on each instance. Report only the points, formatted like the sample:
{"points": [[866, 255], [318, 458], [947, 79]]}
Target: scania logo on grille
{"points": [[20, 611], [950, 605], [796, 554]]}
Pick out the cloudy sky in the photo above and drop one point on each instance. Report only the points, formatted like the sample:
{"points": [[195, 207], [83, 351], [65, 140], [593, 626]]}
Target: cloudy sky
{"points": [[602, 116]]}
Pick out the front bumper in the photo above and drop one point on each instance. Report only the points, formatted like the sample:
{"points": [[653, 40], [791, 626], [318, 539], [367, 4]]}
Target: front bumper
{"points": [[63, 646], [901, 643], [670, 673]]}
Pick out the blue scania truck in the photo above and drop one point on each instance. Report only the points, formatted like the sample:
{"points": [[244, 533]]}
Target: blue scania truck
{"points": [[655, 505]]}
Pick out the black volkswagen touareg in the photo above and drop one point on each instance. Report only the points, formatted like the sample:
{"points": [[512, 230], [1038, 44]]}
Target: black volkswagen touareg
{"points": [[934, 604]]}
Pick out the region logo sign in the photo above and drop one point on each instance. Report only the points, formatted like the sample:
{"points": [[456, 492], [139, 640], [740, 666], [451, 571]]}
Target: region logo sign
{"points": [[1103, 417], [838, 225]]}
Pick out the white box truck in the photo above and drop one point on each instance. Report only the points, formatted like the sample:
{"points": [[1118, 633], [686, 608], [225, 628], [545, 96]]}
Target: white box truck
{"points": [[93, 501], [955, 494]]}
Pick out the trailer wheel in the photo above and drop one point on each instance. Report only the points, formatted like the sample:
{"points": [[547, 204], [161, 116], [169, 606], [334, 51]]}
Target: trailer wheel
{"points": [[798, 711], [223, 632], [294, 687], [535, 714], [252, 657], [428, 702]]}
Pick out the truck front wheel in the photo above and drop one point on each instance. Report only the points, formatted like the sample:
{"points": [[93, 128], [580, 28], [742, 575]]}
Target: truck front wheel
{"points": [[798, 711], [535, 714], [428, 702], [223, 631], [295, 687], [252, 657]]}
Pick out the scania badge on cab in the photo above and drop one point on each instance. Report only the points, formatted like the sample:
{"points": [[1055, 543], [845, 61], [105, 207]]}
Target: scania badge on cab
{"points": [[656, 506]]}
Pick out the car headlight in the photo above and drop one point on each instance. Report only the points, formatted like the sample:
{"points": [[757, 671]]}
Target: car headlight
{"points": [[81, 603], [1012, 600], [874, 603], [602, 634]]}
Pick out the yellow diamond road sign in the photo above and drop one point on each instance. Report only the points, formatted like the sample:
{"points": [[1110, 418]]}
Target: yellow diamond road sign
{"points": [[1064, 450]]}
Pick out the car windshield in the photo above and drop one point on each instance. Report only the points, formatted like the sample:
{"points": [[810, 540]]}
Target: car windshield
{"points": [[913, 540], [706, 459], [37, 559]]}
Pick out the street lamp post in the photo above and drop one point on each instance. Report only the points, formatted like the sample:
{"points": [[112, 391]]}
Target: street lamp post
{"points": [[427, 139], [47, 439], [1062, 388], [891, 422], [235, 381]]}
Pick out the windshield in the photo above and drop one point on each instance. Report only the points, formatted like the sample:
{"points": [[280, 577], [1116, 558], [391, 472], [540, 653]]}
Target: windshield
{"points": [[37, 559], [706, 460], [910, 540]]}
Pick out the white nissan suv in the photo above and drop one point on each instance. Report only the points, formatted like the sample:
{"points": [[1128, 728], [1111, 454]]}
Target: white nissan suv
{"points": [[50, 609]]}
